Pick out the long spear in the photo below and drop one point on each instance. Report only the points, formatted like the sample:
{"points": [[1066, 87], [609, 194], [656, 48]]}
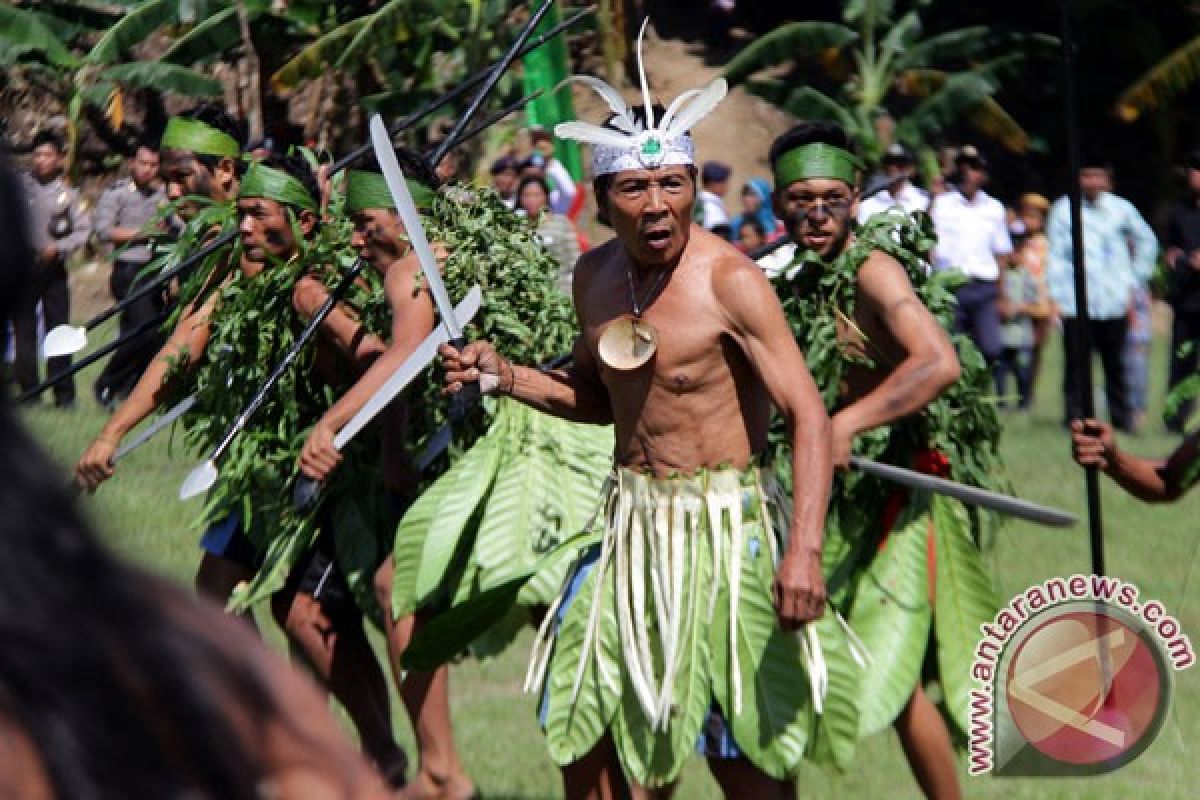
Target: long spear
{"points": [[186, 404], [220, 241], [1081, 343], [66, 339], [205, 475]]}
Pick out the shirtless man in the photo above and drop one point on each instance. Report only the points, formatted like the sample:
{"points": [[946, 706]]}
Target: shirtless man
{"points": [[685, 349], [379, 239], [331, 639], [200, 155], [913, 360]]}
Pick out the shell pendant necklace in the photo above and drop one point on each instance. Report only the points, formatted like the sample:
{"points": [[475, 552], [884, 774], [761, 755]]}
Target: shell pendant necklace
{"points": [[631, 342]]}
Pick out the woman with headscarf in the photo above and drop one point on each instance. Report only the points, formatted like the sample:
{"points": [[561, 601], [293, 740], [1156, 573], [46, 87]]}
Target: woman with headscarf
{"points": [[756, 205]]}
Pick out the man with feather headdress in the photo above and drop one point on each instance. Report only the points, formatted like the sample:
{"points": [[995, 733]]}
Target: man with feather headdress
{"points": [[677, 629]]}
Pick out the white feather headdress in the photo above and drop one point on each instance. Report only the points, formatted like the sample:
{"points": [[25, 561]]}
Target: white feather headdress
{"points": [[634, 145]]}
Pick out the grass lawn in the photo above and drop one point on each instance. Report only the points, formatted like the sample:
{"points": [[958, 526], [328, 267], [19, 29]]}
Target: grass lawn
{"points": [[139, 514]]}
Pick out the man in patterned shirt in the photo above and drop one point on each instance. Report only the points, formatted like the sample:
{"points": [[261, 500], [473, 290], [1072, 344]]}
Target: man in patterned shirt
{"points": [[1119, 253]]}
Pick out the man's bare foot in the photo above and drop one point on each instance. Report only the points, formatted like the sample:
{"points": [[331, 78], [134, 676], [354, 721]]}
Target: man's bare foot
{"points": [[425, 786]]}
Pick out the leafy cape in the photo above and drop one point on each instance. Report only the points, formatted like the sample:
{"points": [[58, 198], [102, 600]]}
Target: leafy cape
{"points": [[883, 586]]}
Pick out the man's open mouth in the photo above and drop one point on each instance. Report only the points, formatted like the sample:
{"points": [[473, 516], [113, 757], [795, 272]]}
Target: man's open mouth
{"points": [[657, 237]]}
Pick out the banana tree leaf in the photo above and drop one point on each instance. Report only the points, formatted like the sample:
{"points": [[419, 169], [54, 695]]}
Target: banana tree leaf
{"points": [[891, 615], [69, 18], [901, 35], [961, 93], [785, 43], [804, 102], [313, 60], [1168, 78], [31, 34], [572, 729], [655, 759], [965, 600], [966, 44], [387, 28], [132, 29], [164, 78], [452, 631], [208, 40]]}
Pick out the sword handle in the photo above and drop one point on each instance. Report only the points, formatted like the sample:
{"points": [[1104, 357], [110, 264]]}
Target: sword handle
{"points": [[466, 398], [305, 493]]}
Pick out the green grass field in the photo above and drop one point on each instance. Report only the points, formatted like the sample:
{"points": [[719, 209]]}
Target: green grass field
{"points": [[139, 514]]}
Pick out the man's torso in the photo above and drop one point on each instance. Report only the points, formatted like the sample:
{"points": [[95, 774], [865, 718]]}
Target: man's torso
{"points": [[698, 402]]}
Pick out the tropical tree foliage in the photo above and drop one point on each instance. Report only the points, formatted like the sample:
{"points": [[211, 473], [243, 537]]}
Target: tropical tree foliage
{"points": [[81, 52], [1170, 77], [883, 79]]}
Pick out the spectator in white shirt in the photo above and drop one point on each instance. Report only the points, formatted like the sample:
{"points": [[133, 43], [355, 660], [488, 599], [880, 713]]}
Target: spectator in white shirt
{"points": [[898, 170], [972, 235], [714, 183]]}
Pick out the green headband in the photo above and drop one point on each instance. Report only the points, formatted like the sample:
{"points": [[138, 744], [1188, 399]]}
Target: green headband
{"points": [[277, 185], [370, 190], [199, 137], [816, 160]]}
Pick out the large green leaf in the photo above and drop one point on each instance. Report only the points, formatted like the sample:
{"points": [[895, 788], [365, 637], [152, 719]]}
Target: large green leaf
{"points": [[785, 44], [836, 734], [433, 529], [891, 615], [31, 34], [313, 60], [450, 633], [774, 725], [207, 40], [573, 728], [133, 29], [965, 600], [654, 758], [164, 78]]}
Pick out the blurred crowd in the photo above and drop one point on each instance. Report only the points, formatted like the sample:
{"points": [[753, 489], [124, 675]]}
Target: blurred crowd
{"points": [[1015, 258]]}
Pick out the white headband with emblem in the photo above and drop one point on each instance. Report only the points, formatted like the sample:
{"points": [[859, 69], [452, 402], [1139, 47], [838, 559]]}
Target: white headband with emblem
{"points": [[632, 145]]}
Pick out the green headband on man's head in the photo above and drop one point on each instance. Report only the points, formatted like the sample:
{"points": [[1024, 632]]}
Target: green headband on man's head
{"points": [[199, 137], [366, 190], [817, 160], [275, 184]]}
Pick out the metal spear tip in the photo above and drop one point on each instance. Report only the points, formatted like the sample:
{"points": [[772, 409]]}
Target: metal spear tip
{"points": [[199, 480], [64, 340]]}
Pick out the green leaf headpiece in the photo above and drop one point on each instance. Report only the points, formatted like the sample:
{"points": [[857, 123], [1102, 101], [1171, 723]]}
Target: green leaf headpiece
{"points": [[274, 184], [817, 160], [369, 190], [199, 137]]}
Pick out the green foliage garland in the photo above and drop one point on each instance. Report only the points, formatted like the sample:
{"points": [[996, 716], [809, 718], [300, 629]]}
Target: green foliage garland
{"points": [[961, 423]]}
